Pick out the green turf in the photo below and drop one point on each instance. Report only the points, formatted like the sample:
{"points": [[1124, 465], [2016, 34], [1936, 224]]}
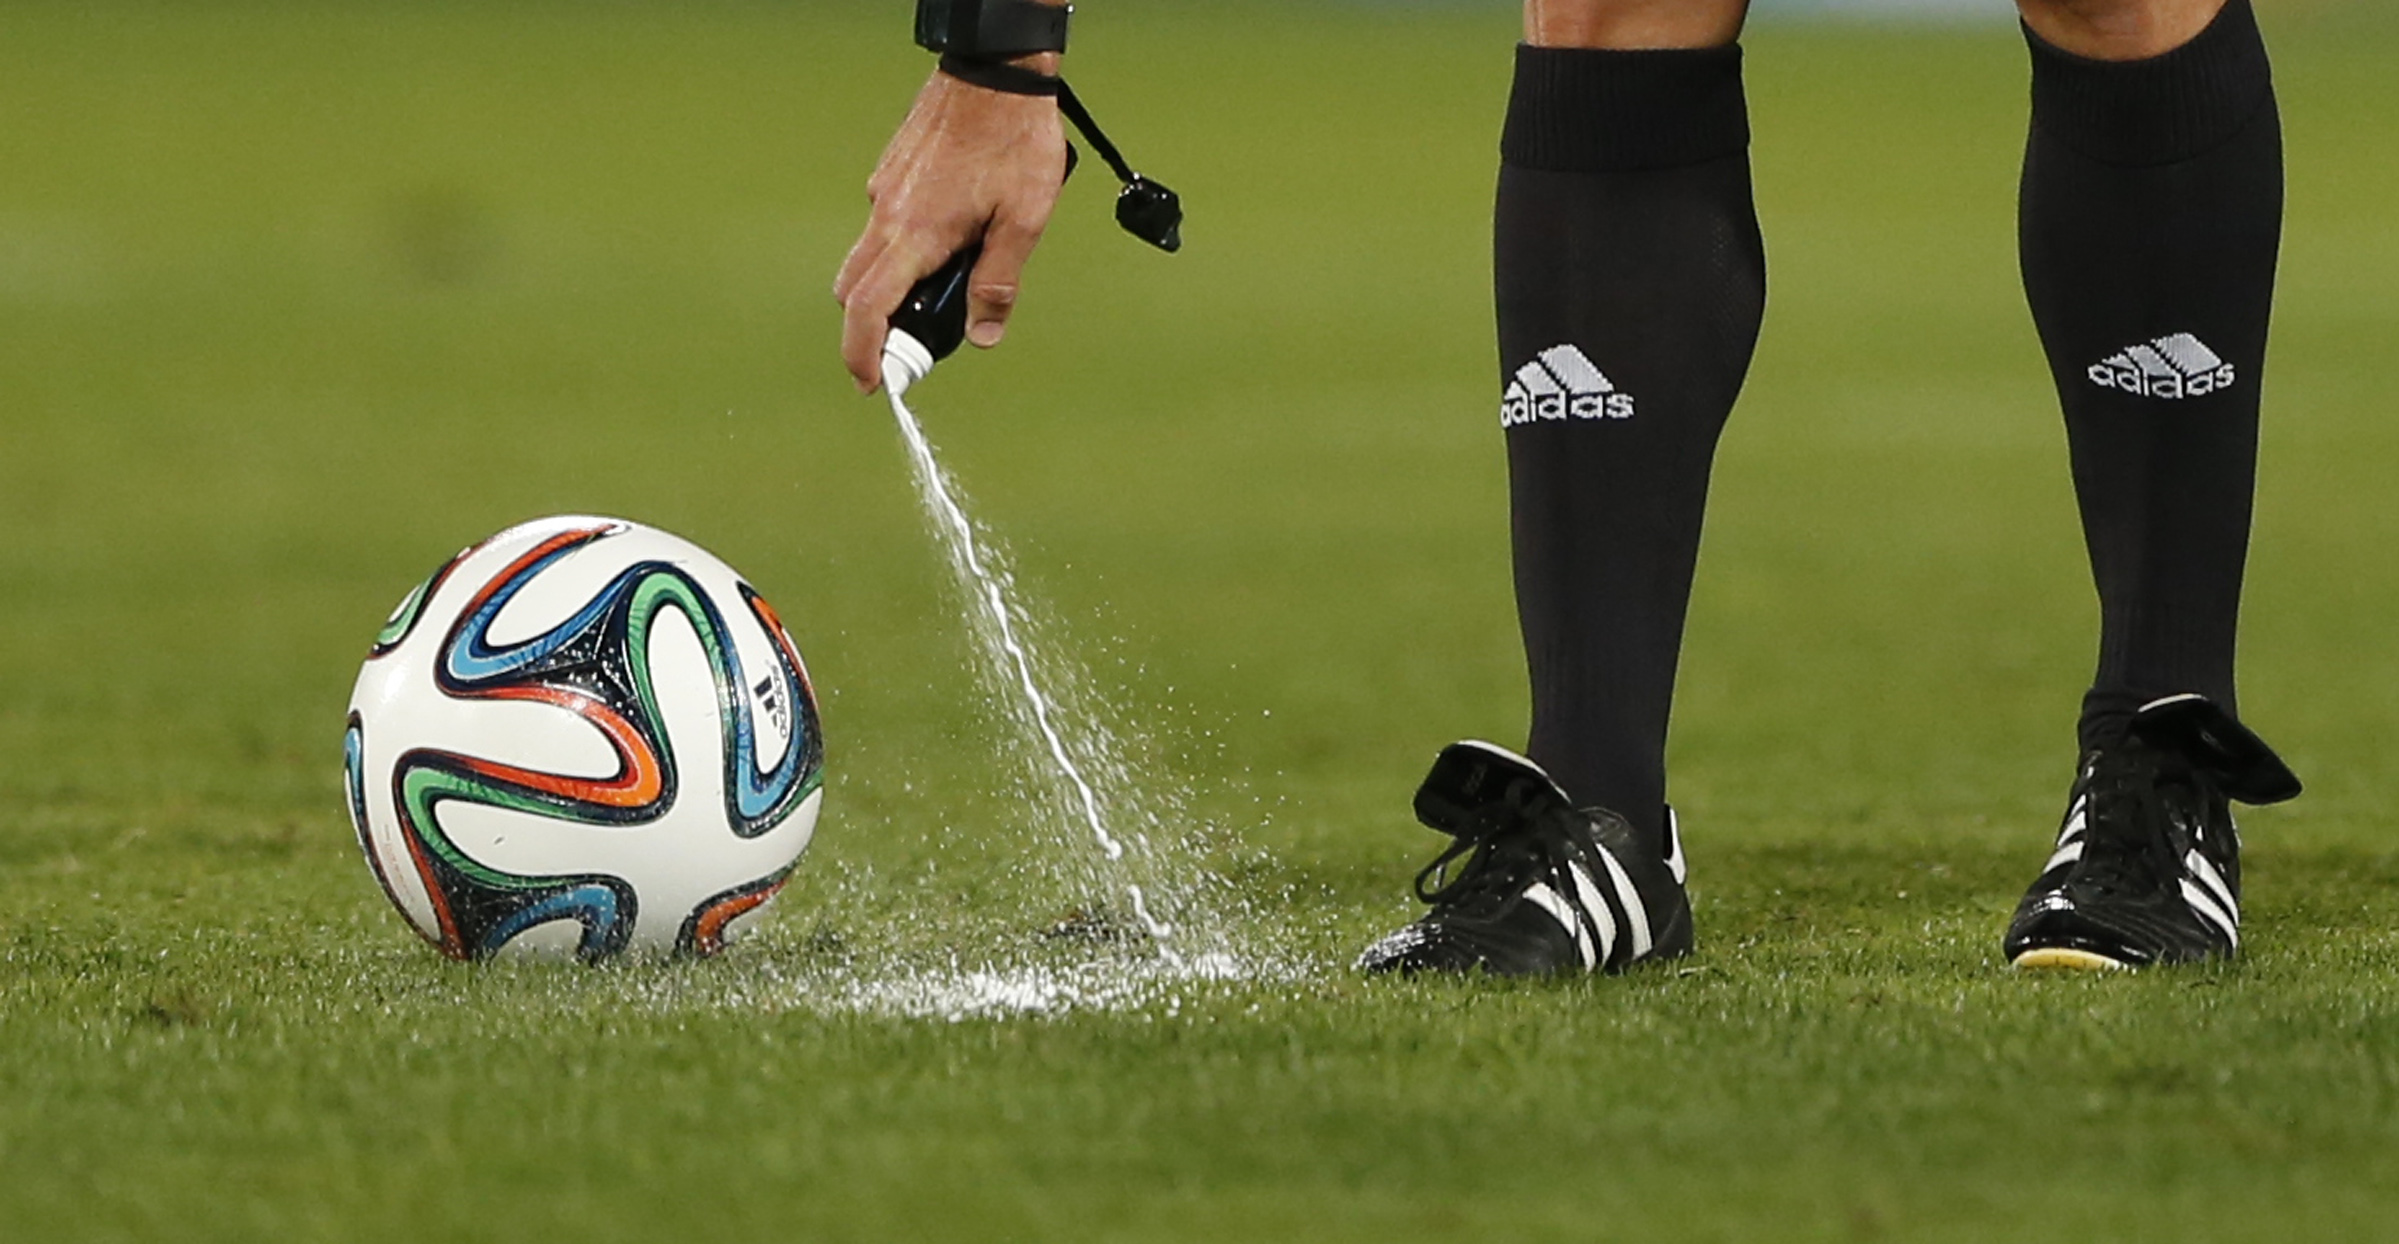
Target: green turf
{"points": [[293, 301]]}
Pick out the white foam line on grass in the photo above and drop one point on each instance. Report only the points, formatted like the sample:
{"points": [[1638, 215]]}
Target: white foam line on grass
{"points": [[995, 991]]}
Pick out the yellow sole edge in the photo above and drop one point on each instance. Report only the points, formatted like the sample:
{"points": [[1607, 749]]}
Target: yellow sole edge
{"points": [[2068, 959]]}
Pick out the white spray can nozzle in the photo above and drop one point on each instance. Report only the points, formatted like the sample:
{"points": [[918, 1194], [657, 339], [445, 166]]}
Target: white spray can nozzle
{"points": [[905, 361]]}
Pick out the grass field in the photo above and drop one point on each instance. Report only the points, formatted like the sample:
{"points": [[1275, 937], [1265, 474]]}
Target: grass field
{"points": [[296, 300]]}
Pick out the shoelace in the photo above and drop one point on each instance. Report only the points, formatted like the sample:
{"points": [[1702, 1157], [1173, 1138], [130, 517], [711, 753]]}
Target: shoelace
{"points": [[1509, 846], [2128, 792]]}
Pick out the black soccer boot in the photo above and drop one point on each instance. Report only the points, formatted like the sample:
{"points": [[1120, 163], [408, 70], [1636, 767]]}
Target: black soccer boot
{"points": [[2148, 866], [1546, 888]]}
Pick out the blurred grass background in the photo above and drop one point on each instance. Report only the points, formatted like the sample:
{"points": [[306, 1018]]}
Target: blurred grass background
{"points": [[297, 298]]}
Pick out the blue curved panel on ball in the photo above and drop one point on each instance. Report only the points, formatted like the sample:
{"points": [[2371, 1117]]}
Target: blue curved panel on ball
{"points": [[593, 906], [469, 658]]}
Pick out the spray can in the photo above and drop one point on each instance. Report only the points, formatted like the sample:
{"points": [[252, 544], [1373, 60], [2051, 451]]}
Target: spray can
{"points": [[930, 323]]}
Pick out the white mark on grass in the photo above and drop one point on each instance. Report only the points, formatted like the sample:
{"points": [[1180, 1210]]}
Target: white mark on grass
{"points": [[1004, 991]]}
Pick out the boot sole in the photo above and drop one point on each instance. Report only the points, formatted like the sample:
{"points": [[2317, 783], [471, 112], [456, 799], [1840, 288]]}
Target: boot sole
{"points": [[2069, 959]]}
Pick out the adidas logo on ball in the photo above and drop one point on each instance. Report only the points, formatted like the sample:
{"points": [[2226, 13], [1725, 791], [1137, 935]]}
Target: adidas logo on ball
{"points": [[2170, 367], [1561, 384]]}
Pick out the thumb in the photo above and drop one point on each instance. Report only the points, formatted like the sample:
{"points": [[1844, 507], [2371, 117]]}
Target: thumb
{"points": [[991, 292]]}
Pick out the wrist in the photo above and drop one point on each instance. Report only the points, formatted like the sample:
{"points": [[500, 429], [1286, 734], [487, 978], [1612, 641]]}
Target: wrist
{"points": [[1013, 76]]}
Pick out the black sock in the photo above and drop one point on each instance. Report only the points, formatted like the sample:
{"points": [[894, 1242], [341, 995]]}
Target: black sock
{"points": [[2152, 210], [1631, 280]]}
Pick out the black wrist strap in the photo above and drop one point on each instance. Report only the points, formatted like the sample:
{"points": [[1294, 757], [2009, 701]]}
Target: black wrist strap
{"points": [[1081, 116], [999, 75], [991, 29], [1018, 27]]}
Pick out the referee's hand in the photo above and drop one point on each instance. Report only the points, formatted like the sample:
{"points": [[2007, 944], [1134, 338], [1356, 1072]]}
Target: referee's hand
{"points": [[968, 163]]}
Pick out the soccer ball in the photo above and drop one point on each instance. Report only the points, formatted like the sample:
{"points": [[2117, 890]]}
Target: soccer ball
{"points": [[580, 737]]}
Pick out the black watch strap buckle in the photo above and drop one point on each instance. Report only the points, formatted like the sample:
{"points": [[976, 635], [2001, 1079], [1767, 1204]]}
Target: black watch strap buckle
{"points": [[991, 29]]}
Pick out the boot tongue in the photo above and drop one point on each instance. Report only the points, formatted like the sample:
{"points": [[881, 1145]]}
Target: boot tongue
{"points": [[1476, 788], [2201, 732]]}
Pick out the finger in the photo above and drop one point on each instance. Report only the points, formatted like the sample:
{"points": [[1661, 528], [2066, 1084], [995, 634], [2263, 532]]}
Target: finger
{"points": [[863, 254], [992, 291], [862, 333], [866, 317]]}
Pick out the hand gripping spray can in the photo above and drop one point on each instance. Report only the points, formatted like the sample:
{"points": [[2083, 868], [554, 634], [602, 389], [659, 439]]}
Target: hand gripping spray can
{"points": [[930, 322]]}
